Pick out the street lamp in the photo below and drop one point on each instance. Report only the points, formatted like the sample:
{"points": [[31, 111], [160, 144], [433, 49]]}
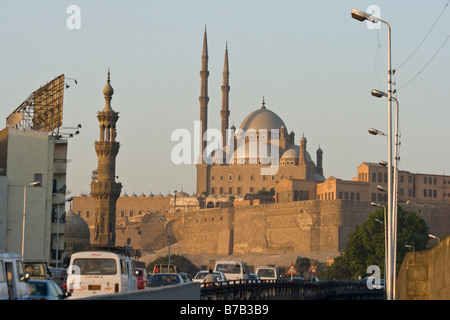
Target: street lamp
{"points": [[362, 16], [376, 132], [374, 204], [378, 94], [32, 184], [57, 233], [410, 246], [168, 233], [434, 237]]}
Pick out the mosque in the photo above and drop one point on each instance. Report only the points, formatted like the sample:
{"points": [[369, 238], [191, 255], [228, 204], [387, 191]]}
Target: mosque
{"points": [[254, 157]]}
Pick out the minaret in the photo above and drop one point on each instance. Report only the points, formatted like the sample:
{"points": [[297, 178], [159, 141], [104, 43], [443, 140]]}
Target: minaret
{"points": [[204, 73], [104, 189], [225, 112], [319, 161], [302, 157]]}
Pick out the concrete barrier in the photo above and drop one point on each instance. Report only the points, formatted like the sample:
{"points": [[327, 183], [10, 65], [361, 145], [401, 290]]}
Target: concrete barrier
{"points": [[186, 291]]}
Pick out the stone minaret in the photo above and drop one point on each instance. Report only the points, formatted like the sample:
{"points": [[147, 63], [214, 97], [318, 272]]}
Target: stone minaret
{"points": [[225, 112], [104, 188], [319, 161], [204, 73], [302, 157]]}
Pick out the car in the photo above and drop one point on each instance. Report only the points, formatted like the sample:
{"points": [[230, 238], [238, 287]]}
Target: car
{"points": [[185, 277], [220, 277], [46, 290], [267, 273], [59, 275], [164, 279], [142, 278], [253, 278], [297, 279]]}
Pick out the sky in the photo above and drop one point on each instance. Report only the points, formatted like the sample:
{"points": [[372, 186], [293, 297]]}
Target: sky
{"points": [[313, 63]]}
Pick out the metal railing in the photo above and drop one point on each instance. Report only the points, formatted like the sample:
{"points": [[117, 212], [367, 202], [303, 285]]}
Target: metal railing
{"points": [[284, 289]]}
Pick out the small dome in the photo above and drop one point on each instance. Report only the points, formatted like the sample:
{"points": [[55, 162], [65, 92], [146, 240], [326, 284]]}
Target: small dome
{"points": [[182, 194], [75, 226], [293, 152]]}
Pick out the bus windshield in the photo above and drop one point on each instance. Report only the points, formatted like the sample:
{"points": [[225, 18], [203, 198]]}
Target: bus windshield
{"points": [[96, 266], [229, 268], [266, 273]]}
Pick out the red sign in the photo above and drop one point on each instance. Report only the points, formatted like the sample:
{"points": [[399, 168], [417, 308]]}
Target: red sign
{"points": [[291, 269], [312, 269]]}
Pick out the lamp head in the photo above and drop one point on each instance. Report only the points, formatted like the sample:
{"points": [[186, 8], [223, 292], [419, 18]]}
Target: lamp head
{"points": [[378, 93], [361, 16]]}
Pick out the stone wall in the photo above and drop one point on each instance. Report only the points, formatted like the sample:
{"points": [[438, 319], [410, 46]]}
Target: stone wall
{"points": [[425, 275], [306, 226]]}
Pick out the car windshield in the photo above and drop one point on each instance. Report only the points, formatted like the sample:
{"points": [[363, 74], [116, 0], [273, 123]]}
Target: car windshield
{"points": [[96, 266], [201, 275], [165, 279]]}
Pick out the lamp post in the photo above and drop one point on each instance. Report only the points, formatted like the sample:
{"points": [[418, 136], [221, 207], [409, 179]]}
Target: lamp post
{"points": [[362, 16], [379, 94], [57, 233], [32, 184], [385, 236], [168, 233]]}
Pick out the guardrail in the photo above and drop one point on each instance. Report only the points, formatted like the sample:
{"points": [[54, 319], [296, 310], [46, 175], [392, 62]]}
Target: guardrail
{"points": [[288, 290]]}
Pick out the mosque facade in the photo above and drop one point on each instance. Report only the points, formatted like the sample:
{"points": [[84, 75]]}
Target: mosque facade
{"points": [[256, 155]]}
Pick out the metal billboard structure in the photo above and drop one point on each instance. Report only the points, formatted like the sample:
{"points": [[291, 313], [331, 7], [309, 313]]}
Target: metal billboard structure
{"points": [[42, 110]]}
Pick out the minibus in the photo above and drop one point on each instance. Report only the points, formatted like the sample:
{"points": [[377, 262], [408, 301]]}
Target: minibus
{"points": [[93, 273]]}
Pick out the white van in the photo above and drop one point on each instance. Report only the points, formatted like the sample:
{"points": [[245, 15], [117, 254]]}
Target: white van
{"points": [[13, 279], [267, 273], [232, 269], [93, 273]]}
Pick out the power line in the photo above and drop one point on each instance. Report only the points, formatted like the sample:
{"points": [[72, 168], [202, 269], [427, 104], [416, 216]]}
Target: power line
{"points": [[426, 36], [426, 65]]}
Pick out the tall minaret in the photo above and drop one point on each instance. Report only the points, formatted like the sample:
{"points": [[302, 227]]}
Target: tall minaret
{"points": [[105, 189], [204, 73], [319, 161], [302, 157], [225, 112]]}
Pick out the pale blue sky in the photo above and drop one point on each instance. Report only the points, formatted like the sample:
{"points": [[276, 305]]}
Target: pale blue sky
{"points": [[312, 62]]}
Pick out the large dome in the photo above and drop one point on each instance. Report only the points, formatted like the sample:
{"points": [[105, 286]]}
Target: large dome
{"points": [[262, 119]]}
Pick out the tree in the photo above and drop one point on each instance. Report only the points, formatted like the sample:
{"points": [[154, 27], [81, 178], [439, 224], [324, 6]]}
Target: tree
{"points": [[366, 244]]}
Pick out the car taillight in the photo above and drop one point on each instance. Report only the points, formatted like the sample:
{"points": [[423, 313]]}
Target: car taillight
{"points": [[116, 288]]}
